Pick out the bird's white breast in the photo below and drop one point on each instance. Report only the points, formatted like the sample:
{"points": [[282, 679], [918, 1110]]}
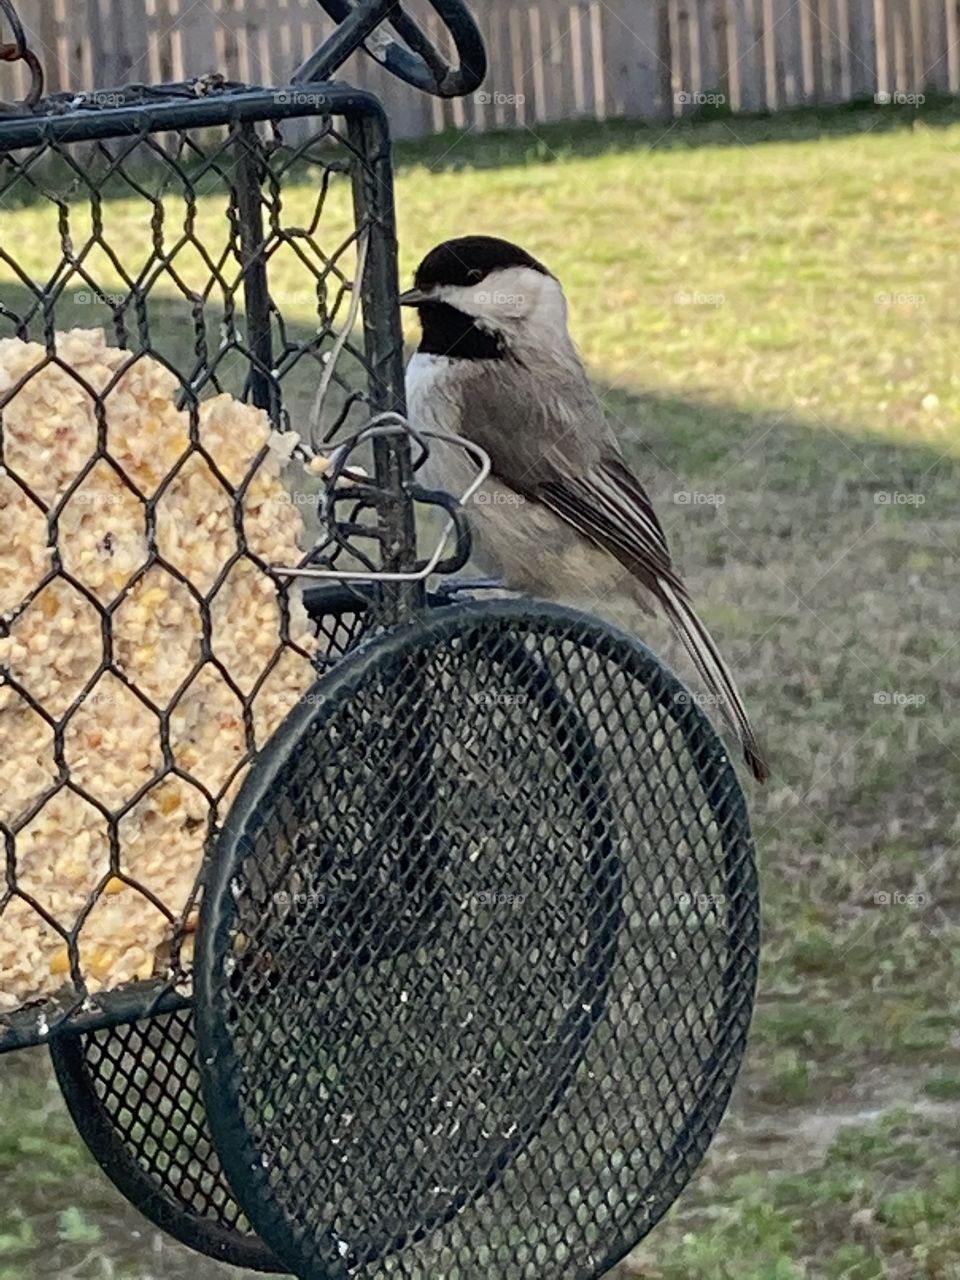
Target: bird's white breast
{"points": [[516, 539]]}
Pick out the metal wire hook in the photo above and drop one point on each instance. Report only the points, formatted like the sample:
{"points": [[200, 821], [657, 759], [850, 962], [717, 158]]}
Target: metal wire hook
{"points": [[20, 51], [395, 424]]}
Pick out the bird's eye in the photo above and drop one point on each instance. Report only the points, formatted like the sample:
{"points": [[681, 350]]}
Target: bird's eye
{"points": [[474, 274]]}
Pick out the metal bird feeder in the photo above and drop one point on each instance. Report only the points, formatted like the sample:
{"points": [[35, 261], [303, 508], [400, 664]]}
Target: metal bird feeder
{"points": [[460, 976]]}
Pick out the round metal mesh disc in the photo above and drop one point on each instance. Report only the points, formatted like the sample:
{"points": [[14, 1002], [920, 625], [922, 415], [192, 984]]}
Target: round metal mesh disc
{"points": [[476, 965], [134, 1095]]}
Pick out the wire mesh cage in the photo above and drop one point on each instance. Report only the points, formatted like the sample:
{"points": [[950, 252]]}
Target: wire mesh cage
{"points": [[372, 934], [133, 1092], [150, 386], [177, 339]]}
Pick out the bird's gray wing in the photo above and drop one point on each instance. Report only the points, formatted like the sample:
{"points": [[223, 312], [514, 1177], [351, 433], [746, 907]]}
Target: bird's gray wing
{"points": [[573, 466], [609, 506], [563, 453]]}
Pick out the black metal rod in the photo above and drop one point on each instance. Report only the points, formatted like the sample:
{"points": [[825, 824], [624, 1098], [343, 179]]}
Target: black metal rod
{"points": [[22, 1029], [92, 124], [414, 58], [361, 22], [374, 207], [247, 189]]}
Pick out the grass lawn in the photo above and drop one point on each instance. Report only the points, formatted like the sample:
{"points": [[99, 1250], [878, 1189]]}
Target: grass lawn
{"points": [[770, 309]]}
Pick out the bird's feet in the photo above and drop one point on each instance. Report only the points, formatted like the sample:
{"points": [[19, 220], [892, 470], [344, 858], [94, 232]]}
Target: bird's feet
{"points": [[450, 588]]}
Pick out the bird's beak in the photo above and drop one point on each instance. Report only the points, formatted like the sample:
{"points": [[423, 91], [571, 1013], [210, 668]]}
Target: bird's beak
{"points": [[415, 298]]}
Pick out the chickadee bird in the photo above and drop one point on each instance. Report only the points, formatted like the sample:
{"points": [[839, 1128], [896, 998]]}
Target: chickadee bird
{"points": [[497, 365]]}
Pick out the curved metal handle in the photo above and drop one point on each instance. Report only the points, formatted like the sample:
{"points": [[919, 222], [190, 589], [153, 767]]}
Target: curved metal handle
{"points": [[417, 60], [461, 527], [20, 51]]}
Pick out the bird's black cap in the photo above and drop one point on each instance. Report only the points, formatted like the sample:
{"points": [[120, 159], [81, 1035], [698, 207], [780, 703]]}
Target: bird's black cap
{"points": [[469, 259]]}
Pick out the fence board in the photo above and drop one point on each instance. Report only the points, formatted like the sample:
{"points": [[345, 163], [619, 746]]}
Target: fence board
{"points": [[935, 68], [793, 54], [833, 52], [899, 22], [863, 48], [886, 60], [746, 75], [634, 59], [499, 81], [952, 17], [550, 60], [773, 95], [676, 26]]}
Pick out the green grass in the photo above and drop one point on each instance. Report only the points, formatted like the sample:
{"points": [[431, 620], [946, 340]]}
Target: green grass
{"points": [[882, 1200], [792, 387], [797, 238]]}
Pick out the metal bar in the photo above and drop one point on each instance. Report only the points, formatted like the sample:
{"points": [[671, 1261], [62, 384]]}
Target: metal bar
{"points": [[374, 207], [264, 392], [350, 34], [29, 1027], [81, 125]]}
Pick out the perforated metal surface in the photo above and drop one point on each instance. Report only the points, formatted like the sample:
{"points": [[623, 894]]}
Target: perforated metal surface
{"points": [[476, 970], [133, 1093]]}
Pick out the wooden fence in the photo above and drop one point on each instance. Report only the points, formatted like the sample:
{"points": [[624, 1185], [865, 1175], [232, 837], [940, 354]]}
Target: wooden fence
{"points": [[549, 59]]}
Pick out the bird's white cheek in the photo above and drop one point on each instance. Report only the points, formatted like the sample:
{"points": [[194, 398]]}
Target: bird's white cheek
{"points": [[503, 297]]}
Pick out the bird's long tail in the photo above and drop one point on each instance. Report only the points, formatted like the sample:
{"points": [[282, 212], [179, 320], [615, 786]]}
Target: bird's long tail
{"points": [[700, 645]]}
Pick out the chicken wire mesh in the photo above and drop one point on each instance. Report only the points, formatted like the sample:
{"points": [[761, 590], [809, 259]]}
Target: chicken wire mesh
{"points": [[190, 282], [477, 963]]}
